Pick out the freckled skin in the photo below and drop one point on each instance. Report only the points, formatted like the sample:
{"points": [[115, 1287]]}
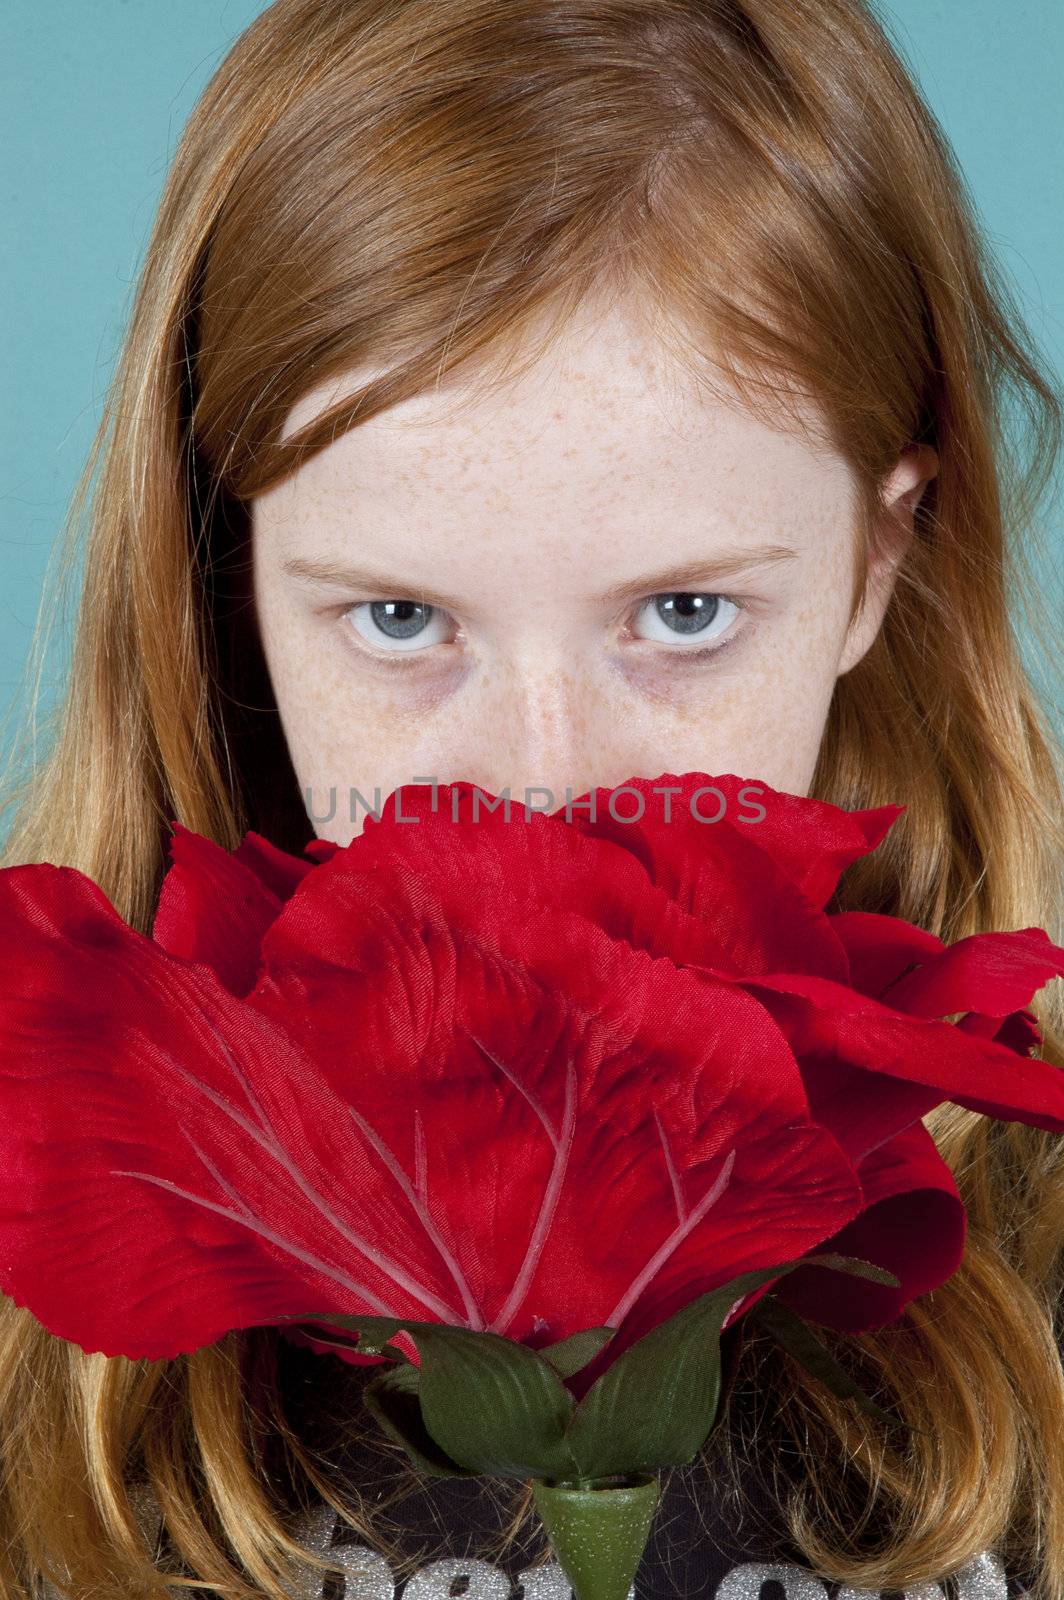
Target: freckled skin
{"points": [[601, 466]]}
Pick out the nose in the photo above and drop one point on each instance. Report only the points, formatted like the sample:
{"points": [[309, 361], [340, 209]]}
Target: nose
{"points": [[546, 728]]}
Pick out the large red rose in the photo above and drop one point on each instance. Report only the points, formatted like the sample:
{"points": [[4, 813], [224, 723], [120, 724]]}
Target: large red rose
{"points": [[531, 1075]]}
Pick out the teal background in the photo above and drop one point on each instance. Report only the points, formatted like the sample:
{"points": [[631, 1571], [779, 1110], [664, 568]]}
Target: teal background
{"points": [[95, 94]]}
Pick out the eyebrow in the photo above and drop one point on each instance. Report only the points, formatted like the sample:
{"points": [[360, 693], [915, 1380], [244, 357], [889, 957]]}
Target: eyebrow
{"points": [[724, 564]]}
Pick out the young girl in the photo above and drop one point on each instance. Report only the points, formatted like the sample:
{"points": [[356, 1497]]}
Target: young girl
{"points": [[702, 279]]}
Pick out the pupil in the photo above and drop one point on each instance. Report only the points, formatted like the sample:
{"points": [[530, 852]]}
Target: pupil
{"points": [[687, 613], [400, 619]]}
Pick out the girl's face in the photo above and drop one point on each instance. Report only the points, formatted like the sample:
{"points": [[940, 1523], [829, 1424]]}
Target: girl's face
{"points": [[598, 574]]}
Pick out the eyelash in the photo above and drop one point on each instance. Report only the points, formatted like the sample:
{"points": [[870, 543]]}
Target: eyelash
{"points": [[408, 660]]}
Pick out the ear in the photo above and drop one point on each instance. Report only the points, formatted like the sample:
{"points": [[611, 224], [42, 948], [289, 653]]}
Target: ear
{"points": [[900, 495]]}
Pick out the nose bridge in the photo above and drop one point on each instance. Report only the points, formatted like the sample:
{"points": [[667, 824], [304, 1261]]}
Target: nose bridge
{"points": [[541, 729], [544, 719]]}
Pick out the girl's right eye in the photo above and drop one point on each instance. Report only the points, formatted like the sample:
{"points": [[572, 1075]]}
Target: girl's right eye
{"points": [[398, 627]]}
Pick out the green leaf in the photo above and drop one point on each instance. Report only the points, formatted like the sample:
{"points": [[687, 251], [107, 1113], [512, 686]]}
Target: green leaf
{"points": [[494, 1405], [852, 1264], [334, 1344], [374, 1332], [491, 1404], [794, 1334], [657, 1403], [393, 1400], [567, 1356], [391, 1350]]}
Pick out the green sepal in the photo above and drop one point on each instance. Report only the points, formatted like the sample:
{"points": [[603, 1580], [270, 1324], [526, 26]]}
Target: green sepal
{"points": [[392, 1351], [491, 1405], [567, 1356], [373, 1332], [855, 1265], [797, 1338], [495, 1405], [656, 1405], [393, 1399]]}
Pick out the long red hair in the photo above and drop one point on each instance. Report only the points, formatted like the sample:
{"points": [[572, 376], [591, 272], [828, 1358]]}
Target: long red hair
{"points": [[430, 187]]}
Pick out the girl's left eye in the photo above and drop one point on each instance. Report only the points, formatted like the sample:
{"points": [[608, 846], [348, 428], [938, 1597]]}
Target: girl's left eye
{"points": [[681, 620], [688, 619]]}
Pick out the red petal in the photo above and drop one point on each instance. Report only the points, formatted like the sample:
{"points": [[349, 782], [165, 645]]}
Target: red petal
{"points": [[827, 1022], [279, 872], [214, 906], [465, 1089], [1019, 1031], [992, 974], [228, 1186], [810, 841], [321, 849], [156, 1140], [643, 1037], [914, 1226], [735, 910], [880, 948]]}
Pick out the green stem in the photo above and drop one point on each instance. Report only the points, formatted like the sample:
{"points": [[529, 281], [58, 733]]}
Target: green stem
{"points": [[599, 1529]]}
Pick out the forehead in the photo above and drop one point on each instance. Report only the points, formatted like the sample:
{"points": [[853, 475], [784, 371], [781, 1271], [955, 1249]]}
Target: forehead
{"points": [[606, 416], [608, 355]]}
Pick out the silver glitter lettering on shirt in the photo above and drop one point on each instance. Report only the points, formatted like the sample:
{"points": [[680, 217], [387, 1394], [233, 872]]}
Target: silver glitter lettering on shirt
{"points": [[746, 1582], [366, 1575], [983, 1578], [479, 1581]]}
